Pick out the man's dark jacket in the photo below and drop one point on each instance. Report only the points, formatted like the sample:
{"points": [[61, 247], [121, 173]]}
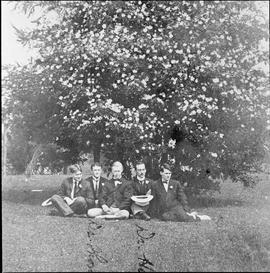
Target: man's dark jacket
{"points": [[141, 188], [83, 190], [165, 201], [95, 195], [117, 196]]}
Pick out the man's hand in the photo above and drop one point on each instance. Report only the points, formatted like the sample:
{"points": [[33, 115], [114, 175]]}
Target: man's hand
{"points": [[114, 210], [68, 200], [193, 214], [106, 209], [96, 202], [148, 192]]}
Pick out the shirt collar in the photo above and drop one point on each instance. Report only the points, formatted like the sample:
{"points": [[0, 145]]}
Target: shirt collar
{"points": [[76, 182], [95, 179], [140, 179]]}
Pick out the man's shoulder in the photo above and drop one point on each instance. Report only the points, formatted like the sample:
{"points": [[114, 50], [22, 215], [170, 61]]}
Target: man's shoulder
{"points": [[126, 181], [149, 181], [85, 182], [67, 180], [156, 182], [109, 182], [103, 180], [175, 181], [89, 178]]}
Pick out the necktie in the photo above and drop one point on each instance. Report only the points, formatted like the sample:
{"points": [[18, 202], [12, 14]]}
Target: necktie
{"points": [[76, 187]]}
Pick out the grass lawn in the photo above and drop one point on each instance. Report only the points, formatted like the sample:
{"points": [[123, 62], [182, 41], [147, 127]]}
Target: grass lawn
{"points": [[237, 238]]}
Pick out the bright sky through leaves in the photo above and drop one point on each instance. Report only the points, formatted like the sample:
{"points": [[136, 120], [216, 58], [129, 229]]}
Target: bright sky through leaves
{"points": [[13, 51]]}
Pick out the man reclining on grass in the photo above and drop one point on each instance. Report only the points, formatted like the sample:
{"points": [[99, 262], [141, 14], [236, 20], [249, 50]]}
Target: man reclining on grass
{"points": [[115, 196], [74, 195], [170, 202]]}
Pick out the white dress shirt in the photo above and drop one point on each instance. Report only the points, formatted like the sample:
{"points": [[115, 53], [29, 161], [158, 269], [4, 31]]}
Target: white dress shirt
{"points": [[166, 185], [96, 184], [141, 180], [75, 183]]}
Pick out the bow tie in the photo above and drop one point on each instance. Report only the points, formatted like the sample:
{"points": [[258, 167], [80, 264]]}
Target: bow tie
{"points": [[117, 182], [165, 182], [141, 181]]}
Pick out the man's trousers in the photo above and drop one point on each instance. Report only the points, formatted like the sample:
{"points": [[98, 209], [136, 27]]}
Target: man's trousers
{"points": [[79, 206]]}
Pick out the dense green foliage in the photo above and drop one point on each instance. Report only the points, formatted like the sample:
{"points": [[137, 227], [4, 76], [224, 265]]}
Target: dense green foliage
{"points": [[170, 81]]}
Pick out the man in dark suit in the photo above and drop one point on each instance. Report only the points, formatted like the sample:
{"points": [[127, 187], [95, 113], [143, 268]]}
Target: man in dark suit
{"points": [[96, 183], [115, 196], [74, 195], [141, 186], [170, 202]]}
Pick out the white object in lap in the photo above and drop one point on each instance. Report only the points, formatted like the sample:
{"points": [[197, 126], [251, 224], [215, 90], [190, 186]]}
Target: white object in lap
{"points": [[142, 200], [47, 203]]}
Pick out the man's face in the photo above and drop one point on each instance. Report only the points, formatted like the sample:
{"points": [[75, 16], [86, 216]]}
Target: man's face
{"points": [[77, 176], [140, 171], [117, 172], [96, 171], [165, 175]]}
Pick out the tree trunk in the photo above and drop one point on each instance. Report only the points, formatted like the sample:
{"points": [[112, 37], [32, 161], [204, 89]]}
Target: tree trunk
{"points": [[30, 167], [4, 150], [65, 169], [96, 151]]}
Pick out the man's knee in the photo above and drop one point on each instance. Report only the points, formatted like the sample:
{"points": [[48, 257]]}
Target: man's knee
{"points": [[135, 208], [124, 213], [94, 212], [81, 200], [167, 216], [56, 197]]}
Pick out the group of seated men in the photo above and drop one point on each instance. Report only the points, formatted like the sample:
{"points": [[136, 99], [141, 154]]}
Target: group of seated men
{"points": [[98, 197]]}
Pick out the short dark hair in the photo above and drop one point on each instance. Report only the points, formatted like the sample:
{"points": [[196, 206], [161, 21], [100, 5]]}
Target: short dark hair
{"points": [[165, 166], [139, 162], [97, 164], [75, 168]]}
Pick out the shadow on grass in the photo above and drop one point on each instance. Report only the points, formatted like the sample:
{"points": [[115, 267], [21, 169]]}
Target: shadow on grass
{"points": [[205, 202], [27, 196]]}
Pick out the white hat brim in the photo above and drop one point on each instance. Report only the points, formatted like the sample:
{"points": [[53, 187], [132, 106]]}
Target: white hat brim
{"points": [[142, 200]]}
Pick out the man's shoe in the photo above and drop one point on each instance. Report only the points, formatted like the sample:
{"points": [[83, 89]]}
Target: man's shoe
{"points": [[80, 215], [69, 215], [204, 217], [142, 216], [54, 213]]}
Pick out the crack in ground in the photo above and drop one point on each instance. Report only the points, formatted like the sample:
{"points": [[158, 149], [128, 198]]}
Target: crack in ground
{"points": [[145, 265], [94, 253]]}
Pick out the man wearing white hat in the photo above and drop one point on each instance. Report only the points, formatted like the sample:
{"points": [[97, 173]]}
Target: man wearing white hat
{"points": [[142, 193]]}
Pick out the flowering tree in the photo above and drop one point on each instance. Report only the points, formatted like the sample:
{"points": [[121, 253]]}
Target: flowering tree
{"points": [[165, 81]]}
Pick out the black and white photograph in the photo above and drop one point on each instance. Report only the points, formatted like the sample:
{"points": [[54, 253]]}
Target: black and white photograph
{"points": [[135, 136]]}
